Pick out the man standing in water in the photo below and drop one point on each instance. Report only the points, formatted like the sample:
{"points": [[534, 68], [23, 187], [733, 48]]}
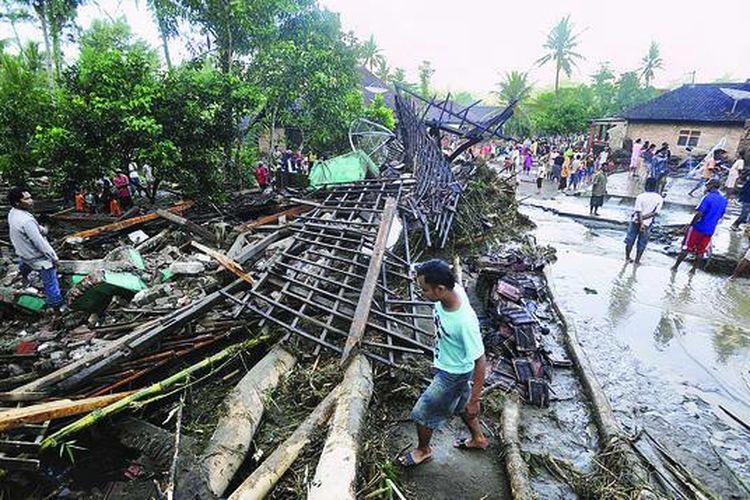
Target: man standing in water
{"points": [[647, 206], [707, 216], [459, 359]]}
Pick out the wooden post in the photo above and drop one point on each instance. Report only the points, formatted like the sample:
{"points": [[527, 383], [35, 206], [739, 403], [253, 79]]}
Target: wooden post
{"points": [[187, 224], [336, 473], [362, 312], [225, 262]]}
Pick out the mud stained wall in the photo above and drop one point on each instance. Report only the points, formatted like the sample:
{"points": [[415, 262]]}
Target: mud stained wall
{"points": [[670, 132]]}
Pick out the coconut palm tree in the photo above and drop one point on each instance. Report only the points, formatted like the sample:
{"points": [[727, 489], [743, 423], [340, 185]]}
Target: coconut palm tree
{"points": [[561, 44], [650, 63], [370, 53], [514, 86], [382, 70]]}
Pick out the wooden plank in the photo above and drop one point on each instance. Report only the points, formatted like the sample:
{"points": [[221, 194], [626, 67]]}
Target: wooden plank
{"points": [[17, 417], [289, 213], [187, 224], [118, 226], [225, 262], [362, 312]]}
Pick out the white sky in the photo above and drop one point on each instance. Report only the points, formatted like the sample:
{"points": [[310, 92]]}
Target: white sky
{"points": [[471, 43]]}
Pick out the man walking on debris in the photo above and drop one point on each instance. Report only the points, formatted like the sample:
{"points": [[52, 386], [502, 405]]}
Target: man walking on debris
{"points": [[459, 359], [647, 206], [707, 216], [30, 244]]}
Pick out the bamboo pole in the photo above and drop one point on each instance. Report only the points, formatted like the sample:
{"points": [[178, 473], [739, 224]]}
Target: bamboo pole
{"points": [[265, 477], [147, 392]]}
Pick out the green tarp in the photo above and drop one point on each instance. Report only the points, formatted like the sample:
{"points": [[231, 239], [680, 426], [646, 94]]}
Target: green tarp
{"points": [[351, 167]]}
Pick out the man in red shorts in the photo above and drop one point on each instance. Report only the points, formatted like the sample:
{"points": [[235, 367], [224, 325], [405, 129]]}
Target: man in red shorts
{"points": [[708, 214]]}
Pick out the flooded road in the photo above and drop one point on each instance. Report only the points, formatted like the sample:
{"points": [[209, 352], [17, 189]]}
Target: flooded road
{"points": [[672, 351]]}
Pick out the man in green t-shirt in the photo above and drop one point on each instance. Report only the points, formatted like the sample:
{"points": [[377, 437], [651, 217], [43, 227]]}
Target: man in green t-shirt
{"points": [[459, 359]]}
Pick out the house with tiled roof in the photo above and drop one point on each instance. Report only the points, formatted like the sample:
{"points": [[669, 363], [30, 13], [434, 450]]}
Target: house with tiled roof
{"points": [[696, 116]]}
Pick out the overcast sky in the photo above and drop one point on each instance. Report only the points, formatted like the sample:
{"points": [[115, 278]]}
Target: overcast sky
{"points": [[471, 43]]}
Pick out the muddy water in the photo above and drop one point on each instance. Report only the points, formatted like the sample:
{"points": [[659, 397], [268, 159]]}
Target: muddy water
{"points": [[670, 350]]}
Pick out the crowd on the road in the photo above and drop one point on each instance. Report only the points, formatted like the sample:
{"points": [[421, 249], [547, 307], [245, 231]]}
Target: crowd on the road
{"points": [[573, 167]]}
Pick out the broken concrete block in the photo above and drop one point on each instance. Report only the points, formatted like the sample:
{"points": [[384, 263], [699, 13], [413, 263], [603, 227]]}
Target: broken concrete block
{"points": [[189, 268], [149, 295]]}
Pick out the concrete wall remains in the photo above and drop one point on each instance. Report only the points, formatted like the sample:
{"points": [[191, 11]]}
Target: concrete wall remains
{"points": [[670, 132]]}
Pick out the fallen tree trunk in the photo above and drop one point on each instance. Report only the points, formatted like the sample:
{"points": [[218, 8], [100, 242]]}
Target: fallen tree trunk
{"points": [[336, 473], [147, 392], [16, 417], [231, 439], [518, 471], [265, 477]]}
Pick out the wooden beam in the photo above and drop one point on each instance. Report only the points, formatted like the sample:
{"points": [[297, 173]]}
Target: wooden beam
{"points": [[16, 417], [226, 262], [289, 213], [362, 312], [187, 224], [118, 226]]}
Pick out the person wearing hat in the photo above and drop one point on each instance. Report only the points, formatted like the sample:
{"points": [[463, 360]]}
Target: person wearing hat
{"points": [[707, 216]]}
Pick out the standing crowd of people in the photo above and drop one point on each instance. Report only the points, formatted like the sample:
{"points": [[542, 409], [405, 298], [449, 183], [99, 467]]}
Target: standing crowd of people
{"points": [[110, 194]]}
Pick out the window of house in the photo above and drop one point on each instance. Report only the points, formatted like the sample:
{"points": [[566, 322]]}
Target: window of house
{"points": [[689, 138]]}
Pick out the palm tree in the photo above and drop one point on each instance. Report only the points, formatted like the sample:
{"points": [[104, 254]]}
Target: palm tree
{"points": [[514, 86], [382, 70], [370, 53], [398, 76], [560, 45], [650, 63]]}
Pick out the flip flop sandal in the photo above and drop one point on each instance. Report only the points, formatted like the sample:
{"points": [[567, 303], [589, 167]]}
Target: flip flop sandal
{"points": [[408, 460]]}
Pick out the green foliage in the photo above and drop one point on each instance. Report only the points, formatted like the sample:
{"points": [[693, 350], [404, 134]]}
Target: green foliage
{"points": [[378, 112], [650, 63], [310, 80], [567, 111], [104, 117], [425, 77], [25, 104], [515, 86], [464, 98], [369, 54]]}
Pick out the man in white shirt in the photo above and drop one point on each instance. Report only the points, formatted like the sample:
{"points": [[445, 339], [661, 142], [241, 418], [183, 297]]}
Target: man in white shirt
{"points": [[734, 174], [647, 206]]}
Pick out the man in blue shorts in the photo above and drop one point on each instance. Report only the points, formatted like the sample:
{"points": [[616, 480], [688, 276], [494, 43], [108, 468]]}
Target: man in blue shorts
{"points": [[459, 360]]}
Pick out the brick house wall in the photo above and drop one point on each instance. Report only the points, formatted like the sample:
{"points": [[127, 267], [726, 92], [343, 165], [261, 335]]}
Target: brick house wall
{"points": [[670, 132]]}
